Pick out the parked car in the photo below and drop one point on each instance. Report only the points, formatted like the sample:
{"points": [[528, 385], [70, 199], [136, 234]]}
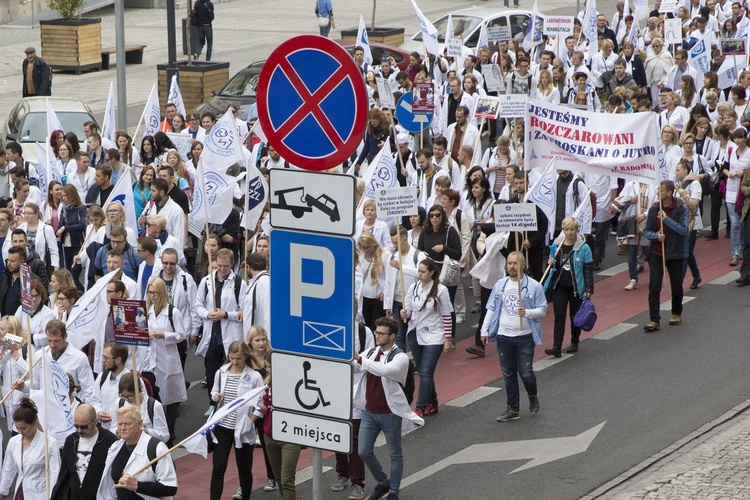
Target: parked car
{"points": [[468, 24], [27, 122], [378, 49]]}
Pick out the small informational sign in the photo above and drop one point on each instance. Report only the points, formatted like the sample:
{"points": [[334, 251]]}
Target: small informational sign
{"points": [[558, 25], [515, 217], [455, 47], [182, 142], [486, 108], [385, 93], [26, 289], [397, 202], [669, 7], [672, 31], [493, 78], [512, 105], [733, 46], [499, 33], [423, 99], [131, 322]]}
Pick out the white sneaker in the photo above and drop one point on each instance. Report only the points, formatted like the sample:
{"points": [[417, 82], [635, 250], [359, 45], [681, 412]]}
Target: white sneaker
{"points": [[238, 495], [632, 285], [340, 483], [270, 485], [358, 492]]}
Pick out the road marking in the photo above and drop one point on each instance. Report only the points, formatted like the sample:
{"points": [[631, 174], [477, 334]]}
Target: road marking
{"points": [[194, 383], [380, 441], [474, 327], [538, 451], [472, 396], [614, 270], [307, 473], [613, 332], [667, 304], [726, 279], [549, 361]]}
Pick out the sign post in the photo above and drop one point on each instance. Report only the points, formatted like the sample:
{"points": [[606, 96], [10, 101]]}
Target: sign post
{"points": [[130, 320], [26, 308]]}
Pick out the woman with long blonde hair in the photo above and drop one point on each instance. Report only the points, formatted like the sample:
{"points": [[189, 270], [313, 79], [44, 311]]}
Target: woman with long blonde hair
{"points": [[372, 262]]}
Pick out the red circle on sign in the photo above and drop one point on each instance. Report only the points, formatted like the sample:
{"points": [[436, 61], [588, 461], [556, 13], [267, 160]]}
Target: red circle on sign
{"points": [[301, 77]]}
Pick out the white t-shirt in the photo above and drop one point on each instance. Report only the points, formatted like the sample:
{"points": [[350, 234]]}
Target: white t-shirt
{"points": [[85, 447], [509, 324]]}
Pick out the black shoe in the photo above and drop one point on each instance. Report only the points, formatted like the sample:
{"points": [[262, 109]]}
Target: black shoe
{"points": [[381, 490], [553, 352], [573, 348], [742, 282], [712, 236], [508, 415], [597, 267], [695, 283], [534, 404]]}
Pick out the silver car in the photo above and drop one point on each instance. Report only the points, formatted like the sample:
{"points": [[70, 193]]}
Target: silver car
{"points": [[27, 122], [468, 24]]}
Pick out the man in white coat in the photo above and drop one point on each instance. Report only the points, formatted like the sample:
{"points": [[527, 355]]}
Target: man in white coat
{"points": [[256, 295], [134, 450], [462, 133], [426, 188], [182, 292], [387, 408], [107, 386], [452, 101]]}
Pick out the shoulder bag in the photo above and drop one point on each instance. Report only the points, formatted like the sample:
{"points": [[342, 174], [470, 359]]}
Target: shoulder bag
{"points": [[450, 273]]}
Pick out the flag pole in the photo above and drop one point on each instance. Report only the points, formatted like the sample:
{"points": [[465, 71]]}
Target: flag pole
{"points": [[400, 261], [30, 351], [136, 380], [549, 266], [205, 214], [476, 144], [26, 374], [46, 426], [139, 123]]}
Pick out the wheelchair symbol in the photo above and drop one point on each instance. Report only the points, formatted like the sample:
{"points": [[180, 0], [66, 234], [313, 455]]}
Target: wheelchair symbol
{"points": [[310, 385]]}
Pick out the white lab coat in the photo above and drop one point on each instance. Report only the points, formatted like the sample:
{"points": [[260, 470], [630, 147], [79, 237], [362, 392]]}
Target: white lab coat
{"points": [[175, 218], [74, 362], [45, 240], [428, 320], [491, 267], [107, 397], [131, 236], [231, 329], [392, 280], [11, 372], [466, 100], [82, 185], [154, 274], [156, 428], [164, 355], [469, 139], [244, 428], [28, 466], [424, 200], [165, 473], [184, 291], [255, 297], [38, 324], [379, 230]]}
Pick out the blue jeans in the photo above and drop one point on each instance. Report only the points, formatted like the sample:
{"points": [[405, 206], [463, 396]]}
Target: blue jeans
{"points": [[735, 236], [401, 335], [325, 30], [205, 36], [390, 424], [426, 357], [516, 357], [635, 253]]}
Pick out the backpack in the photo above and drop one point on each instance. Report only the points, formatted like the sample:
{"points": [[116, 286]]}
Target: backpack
{"points": [[237, 286], [362, 330], [194, 17], [146, 383], [585, 318], [592, 196], [150, 404], [408, 386]]}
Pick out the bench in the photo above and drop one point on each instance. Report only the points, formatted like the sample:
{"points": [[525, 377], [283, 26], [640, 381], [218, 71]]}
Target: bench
{"points": [[133, 55]]}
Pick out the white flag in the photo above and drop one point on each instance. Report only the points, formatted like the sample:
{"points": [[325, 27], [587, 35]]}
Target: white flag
{"points": [[88, 313], [212, 198], [727, 73], [484, 40], [589, 29], [533, 36], [152, 113], [109, 126], [699, 56], [53, 122], [660, 154], [543, 193], [583, 214], [256, 197], [257, 129], [123, 194], [429, 32], [43, 157], [222, 148], [175, 96], [52, 401], [363, 40], [381, 172], [196, 443]]}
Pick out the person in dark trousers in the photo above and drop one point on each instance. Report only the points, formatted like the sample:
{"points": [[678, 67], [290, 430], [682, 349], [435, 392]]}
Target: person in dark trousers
{"points": [[37, 76], [83, 457], [10, 281], [204, 16]]}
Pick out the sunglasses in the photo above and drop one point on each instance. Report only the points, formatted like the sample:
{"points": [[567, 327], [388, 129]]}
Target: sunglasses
{"points": [[435, 216]]}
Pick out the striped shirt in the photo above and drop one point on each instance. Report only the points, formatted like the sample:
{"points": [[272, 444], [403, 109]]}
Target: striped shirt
{"points": [[230, 394]]}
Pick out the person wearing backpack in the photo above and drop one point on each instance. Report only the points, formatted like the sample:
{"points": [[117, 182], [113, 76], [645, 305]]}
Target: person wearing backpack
{"points": [[428, 309], [571, 278], [135, 449], [107, 384], [152, 411], [385, 407]]}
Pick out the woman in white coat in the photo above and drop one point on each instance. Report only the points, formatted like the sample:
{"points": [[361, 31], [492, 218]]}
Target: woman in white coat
{"points": [[40, 236], [133, 451], [372, 261], [40, 314], [371, 224], [81, 262], [11, 370], [24, 456], [234, 379], [166, 329], [428, 309]]}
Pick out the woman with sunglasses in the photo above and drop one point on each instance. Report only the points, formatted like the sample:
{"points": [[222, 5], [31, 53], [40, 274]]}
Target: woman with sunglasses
{"points": [[115, 218]]}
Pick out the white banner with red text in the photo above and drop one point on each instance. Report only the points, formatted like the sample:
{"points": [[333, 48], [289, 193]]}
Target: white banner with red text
{"points": [[622, 145]]}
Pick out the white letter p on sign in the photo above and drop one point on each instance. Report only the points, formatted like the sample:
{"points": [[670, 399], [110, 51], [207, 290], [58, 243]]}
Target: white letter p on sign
{"points": [[297, 287]]}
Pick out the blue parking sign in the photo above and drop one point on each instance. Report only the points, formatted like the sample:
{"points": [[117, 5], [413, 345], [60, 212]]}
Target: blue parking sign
{"points": [[312, 290]]}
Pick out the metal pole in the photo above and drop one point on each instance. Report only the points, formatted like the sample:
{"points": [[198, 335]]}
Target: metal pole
{"points": [[171, 43], [317, 473], [122, 95]]}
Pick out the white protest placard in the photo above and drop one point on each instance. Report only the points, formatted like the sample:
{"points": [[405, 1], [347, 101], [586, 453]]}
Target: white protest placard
{"points": [[455, 47], [558, 25], [672, 31], [668, 6], [512, 105], [397, 202], [492, 78], [515, 217], [499, 33], [385, 93], [182, 142]]}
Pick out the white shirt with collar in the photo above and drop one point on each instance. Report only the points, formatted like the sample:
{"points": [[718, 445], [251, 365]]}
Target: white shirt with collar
{"points": [[25, 465]]}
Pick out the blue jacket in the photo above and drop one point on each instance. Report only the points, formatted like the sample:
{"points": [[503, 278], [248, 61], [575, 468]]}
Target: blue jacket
{"points": [[534, 302], [130, 268], [583, 273]]}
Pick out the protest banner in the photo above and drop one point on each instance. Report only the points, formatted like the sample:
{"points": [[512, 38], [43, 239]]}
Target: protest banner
{"points": [[668, 6], [672, 31], [384, 91], [493, 78], [397, 202], [561, 26], [26, 289], [515, 217], [131, 322], [605, 144], [423, 99], [182, 142], [512, 105], [486, 108]]}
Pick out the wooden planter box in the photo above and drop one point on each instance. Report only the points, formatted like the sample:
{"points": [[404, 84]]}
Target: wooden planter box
{"points": [[387, 36], [196, 81], [74, 45]]}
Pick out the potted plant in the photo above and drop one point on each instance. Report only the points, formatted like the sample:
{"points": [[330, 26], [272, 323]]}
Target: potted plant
{"points": [[71, 43]]}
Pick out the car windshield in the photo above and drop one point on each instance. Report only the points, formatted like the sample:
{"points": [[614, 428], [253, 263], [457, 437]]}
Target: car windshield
{"points": [[243, 84], [34, 125], [462, 25]]}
